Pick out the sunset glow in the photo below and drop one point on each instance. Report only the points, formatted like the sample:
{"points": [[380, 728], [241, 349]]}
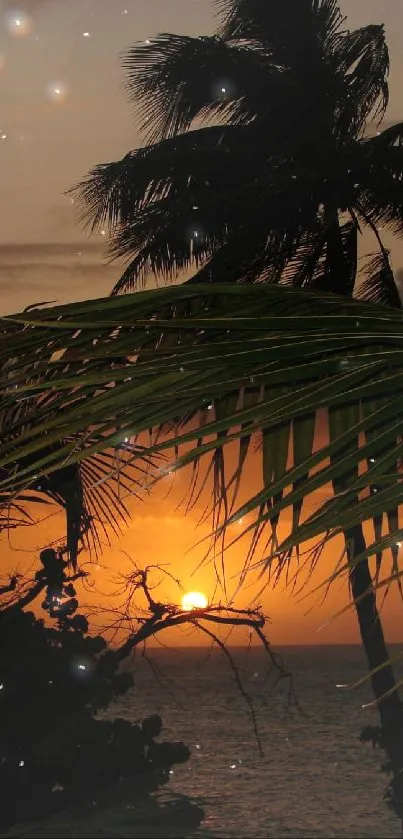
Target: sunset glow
{"points": [[194, 600]]}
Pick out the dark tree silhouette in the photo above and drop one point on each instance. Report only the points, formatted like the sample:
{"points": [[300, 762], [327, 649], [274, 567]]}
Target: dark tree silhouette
{"points": [[55, 753], [258, 165]]}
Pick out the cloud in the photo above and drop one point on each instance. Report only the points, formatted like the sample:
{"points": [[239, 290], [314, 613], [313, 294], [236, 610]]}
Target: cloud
{"points": [[63, 272], [21, 252]]}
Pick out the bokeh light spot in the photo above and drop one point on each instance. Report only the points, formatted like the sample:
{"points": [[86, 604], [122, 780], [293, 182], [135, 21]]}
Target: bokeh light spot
{"points": [[18, 23]]}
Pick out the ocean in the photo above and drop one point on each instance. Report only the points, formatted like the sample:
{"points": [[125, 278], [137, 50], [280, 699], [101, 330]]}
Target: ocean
{"points": [[314, 779]]}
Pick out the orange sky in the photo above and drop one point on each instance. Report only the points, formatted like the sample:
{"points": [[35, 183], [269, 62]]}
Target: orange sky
{"points": [[161, 533], [44, 255]]}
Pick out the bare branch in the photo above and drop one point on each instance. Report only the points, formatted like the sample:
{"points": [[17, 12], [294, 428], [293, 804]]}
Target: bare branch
{"points": [[238, 680]]}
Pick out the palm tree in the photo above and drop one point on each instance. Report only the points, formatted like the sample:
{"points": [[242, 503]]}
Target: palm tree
{"points": [[267, 360], [257, 165]]}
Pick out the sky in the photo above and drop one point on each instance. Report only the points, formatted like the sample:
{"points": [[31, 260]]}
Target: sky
{"points": [[63, 110], [51, 140]]}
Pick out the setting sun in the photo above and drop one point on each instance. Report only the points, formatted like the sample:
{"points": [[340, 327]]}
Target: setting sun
{"points": [[194, 600]]}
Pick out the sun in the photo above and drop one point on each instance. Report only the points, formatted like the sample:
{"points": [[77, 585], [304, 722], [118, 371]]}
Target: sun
{"points": [[194, 600]]}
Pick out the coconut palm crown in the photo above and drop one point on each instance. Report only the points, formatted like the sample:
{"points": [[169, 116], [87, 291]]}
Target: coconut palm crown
{"points": [[258, 164]]}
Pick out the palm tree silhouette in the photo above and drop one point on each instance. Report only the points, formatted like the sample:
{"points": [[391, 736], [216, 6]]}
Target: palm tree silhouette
{"points": [[258, 164]]}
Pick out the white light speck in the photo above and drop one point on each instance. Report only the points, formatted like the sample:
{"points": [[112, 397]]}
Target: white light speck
{"points": [[181, 369], [233, 766], [197, 746], [103, 232], [86, 34], [57, 92], [372, 460], [147, 41], [3, 136], [171, 771], [57, 787], [82, 667], [21, 763], [255, 675], [1, 686], [342, 686], [18, 24], [223, 90]]}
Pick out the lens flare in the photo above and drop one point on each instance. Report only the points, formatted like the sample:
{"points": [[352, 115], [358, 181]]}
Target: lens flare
{"points": [[57, 92], [18, 23]]}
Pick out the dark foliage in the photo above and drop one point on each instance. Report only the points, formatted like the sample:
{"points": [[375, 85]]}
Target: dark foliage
{"points": [[54, 751], [258, 164], [88, 491]]}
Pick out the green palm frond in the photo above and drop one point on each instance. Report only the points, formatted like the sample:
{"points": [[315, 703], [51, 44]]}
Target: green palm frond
{"points": [[90, 491], [297, 355]]}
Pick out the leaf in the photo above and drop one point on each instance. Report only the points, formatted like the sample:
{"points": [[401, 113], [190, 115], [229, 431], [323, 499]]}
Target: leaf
{"points": [[296, 353]]}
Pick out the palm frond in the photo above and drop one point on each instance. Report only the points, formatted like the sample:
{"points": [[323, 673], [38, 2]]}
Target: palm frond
{"points": [[159, 206], [179, 168], [286, 29], [293, 93], [297, 354], [90, 492], [362, 60], [174, 80], [379, 284]]}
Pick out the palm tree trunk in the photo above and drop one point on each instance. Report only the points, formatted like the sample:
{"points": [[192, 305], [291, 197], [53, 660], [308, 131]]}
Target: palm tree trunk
{"points": [[338, 277], [388, 701]]}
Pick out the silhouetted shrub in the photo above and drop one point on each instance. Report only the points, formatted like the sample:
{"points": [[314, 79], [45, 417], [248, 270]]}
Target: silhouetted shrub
{"points": [[54, 751]]}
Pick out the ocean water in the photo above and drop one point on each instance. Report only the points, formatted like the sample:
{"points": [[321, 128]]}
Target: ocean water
{"points": [[314, 779]]}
